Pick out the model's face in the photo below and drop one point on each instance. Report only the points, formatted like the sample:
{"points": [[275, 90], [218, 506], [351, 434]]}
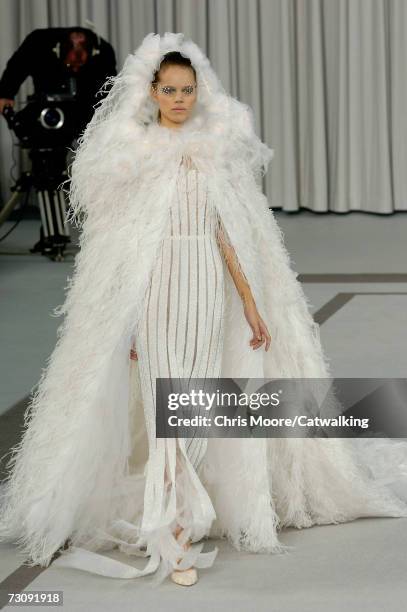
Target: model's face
{"points": [[176, 89]]}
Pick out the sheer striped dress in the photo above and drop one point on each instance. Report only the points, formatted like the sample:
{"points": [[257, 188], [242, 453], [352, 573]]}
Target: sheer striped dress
{"points": [[181, 331]]}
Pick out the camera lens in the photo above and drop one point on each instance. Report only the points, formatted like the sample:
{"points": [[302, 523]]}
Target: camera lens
{"points": [[52, 118]]}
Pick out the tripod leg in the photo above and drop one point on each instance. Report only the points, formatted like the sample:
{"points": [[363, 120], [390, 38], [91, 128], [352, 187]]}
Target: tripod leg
{"points": [[53, 216]]}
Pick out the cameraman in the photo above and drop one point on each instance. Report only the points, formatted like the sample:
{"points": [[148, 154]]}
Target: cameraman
{"points": [[58, 59], [61, 61]]}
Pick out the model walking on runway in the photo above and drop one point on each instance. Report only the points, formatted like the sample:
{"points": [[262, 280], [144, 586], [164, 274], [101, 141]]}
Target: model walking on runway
{"points": [[182, 273]]}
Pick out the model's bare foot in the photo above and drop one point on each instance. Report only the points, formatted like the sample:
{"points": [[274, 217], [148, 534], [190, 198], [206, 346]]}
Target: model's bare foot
{"points": [[186, 577]]}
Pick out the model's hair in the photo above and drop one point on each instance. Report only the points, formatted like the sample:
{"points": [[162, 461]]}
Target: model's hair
{"points": [[173, 58]]}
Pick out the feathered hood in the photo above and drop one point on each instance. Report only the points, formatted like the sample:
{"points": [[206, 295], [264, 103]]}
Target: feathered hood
{"points": [[125, 126]]}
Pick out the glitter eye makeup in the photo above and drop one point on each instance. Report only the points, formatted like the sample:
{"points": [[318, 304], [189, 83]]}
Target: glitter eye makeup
{"points": [[168, 90]]}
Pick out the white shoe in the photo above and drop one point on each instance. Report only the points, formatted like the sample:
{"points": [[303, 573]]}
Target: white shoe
{"points": [[186, 577]]}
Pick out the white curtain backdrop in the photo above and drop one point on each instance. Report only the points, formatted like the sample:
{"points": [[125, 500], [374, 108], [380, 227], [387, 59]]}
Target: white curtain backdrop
{"points": [[326, 80]]}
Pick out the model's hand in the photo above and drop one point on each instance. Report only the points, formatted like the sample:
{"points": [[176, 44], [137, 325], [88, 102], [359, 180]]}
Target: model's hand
{"points": [[260, 332], [133, 354]]}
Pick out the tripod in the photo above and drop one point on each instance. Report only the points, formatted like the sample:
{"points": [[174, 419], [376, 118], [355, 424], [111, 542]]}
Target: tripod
{"points": [[48, 172]]}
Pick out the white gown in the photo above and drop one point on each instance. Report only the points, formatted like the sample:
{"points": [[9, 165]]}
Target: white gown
{"points": [[180, 336]]}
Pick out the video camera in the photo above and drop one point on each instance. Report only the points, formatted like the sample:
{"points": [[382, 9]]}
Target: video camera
{"points": [[67, 76]]}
